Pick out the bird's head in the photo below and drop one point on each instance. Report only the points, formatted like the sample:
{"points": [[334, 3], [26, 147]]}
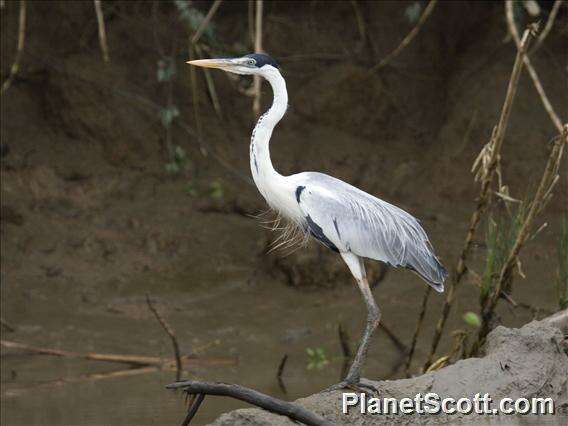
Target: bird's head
{"points": [[254, 63]]}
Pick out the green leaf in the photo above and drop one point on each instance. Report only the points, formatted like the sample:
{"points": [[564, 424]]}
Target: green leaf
{"points": [[172, 168], [166, 70], [190, 189], [472, 319], [167, 115], [310, 352], [216, 190], [193, 17], [179, 153]]}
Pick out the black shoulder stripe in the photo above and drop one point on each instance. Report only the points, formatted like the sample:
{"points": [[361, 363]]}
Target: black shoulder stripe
{"points": [[299, 190], [317, 233], [336, 227]]}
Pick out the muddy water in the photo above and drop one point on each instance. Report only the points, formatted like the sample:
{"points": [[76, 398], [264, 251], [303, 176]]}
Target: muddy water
{"points": [[229, 313]]}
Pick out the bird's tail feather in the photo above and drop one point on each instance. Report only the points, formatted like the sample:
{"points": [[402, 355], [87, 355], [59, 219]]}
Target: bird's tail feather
{"points": [[434, 275]]}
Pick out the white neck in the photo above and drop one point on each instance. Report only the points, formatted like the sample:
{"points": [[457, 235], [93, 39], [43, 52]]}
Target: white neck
{"points": [[263, 173]]}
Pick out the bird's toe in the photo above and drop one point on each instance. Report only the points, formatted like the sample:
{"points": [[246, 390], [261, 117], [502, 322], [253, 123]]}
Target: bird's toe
{"points": [[361, 386]]}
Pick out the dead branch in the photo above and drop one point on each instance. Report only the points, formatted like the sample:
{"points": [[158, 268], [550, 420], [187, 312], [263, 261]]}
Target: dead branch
{"points": [[383, 271], [102, 30], [210, 85], [269, 403], [193, 405], [128, 372], [484, 195], [547, 27], [393, 338], [257, 83], [409, 37], [170, 332], [195, 100], [19, 49], [360, 22], [132, 360], [203, 24], [534, 76], [281, 366], [506, 274], [280, 372], [417, 330], [344, 342], [251, 20]]}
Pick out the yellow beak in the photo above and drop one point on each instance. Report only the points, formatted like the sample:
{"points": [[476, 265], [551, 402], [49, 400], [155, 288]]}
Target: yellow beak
{"points": [[211, 63]]}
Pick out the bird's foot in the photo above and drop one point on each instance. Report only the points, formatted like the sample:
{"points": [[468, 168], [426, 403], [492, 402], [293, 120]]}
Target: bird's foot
{"points": [[361, 386]]}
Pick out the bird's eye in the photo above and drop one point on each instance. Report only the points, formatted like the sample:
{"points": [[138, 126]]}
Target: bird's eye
{"points": [[251, 62]]}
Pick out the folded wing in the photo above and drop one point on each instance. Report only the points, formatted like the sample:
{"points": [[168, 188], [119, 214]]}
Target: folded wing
{"points": [[347, 219]]}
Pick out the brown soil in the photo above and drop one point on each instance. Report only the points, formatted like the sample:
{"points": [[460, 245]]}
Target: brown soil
{"points": [[84, 193]]}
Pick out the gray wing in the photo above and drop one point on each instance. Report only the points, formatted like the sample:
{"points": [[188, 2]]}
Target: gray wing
{"points": [[347, 219]]}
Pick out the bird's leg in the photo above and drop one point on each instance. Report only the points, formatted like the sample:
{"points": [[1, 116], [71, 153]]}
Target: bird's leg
{"points": [[373, 318], [353, 378]]}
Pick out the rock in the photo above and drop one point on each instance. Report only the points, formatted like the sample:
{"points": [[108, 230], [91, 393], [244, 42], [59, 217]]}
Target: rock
{"points": [[527, 362]]}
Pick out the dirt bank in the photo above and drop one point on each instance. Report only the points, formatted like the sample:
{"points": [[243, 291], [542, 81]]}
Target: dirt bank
{"points": [[85, 194], [526, 362]]}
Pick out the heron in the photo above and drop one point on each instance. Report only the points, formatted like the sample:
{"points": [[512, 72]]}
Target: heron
{"points": [[345, 219]]}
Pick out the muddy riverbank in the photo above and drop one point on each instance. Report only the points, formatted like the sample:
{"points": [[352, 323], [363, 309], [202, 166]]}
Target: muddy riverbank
{"points": [[529, 362]]}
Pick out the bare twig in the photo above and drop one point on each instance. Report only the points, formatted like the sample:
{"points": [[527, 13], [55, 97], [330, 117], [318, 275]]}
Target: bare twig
{"points": [[257, 82], [19, 48], [280, 372], [409, 37], [251, 20], [484, 194], [344, 342], [274, 405], [127, 372], [102, 30], [547, 182], [210, 85], [203, 24], [417, 330], [170, 332], [193, 406], [384, 269], [281, 366], [547, 27], [360, 22], [132, 360], [439, 363], [195, 99], [524, 233], [393, 338], [534, 76], [345, 350]]}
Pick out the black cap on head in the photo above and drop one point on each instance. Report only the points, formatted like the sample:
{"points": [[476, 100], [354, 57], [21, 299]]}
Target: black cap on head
{"points": [[262, 59]]}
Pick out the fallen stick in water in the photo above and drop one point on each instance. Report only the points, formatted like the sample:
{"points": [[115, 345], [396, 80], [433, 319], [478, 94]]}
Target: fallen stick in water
{"points": [[132, 360], [128, 372]]}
